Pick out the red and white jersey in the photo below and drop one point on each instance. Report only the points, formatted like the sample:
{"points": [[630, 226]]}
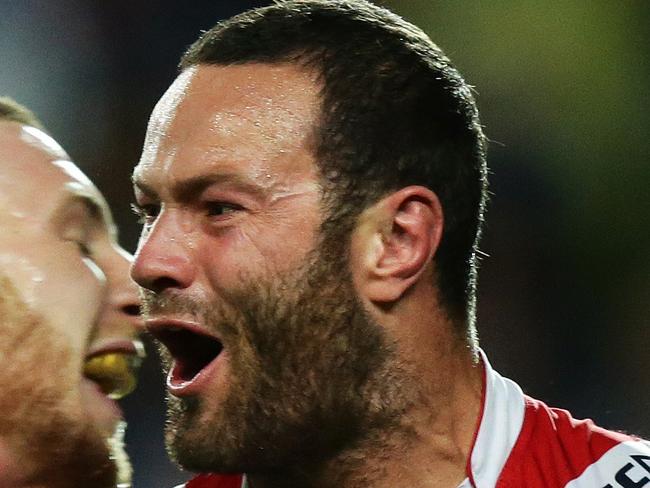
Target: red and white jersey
{"points": [[521, 442]]}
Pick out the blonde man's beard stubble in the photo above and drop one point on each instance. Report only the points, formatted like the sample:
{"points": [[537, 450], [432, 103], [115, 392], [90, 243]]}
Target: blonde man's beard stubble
{"points": [[44, 427]]}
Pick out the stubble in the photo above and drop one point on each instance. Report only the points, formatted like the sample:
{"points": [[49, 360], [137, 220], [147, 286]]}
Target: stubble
{"points": [[43, 423], [312, 375]]}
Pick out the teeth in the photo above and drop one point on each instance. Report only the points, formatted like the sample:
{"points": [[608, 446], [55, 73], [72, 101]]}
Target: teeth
{"points": [[113, 372]]}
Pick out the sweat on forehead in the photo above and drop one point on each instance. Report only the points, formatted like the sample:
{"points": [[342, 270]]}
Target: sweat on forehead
{"points": [[247, 115], [24, 164], [22, 144], [270, 97], [32, 163]]}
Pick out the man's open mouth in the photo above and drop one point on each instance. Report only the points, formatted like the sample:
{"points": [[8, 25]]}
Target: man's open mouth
{"points": [[191, 349]]}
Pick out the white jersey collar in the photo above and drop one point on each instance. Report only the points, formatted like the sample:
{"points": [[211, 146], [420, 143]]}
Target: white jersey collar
{"points": [[500, 425]]}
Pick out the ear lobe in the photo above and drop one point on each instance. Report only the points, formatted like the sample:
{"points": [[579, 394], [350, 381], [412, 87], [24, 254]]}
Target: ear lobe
{"points": [[409, 234]]}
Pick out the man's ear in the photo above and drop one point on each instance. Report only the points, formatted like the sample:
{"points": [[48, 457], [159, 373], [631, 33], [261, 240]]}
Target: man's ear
{"points": [[395, 241]]}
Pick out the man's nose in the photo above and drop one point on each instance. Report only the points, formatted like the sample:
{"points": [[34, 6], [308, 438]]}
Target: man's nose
{"points": [[120, 316], [162, 260], [124, 295]]}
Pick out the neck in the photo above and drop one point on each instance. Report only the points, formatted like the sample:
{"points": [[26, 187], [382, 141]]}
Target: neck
{"points": [[429, 446]]}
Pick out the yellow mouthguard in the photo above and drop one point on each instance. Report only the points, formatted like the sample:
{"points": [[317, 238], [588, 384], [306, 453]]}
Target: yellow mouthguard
{"points": [[113, 372]]}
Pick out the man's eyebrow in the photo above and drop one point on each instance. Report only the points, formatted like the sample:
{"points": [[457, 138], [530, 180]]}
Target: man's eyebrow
{"points": [[94, 208], [188, 189], [144, 188], [98, 212]]}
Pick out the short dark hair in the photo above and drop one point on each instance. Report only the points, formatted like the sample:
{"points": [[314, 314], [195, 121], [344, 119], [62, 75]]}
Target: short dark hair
{"points": [[395, 112], [12, 111]]}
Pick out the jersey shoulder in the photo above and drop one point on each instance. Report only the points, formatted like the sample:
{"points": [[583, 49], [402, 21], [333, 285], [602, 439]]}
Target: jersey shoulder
{"points": [[214, 481], [555, 450]]}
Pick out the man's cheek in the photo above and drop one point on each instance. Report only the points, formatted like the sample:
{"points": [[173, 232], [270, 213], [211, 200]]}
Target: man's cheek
{"points": [[15, 319], [25, 278]]}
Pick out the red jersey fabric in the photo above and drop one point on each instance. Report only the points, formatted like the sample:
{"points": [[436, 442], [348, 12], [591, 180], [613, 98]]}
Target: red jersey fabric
{"points": [[216, 481], [522, 443]]}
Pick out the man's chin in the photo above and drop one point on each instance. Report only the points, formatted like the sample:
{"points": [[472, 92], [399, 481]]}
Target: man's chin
{"points": [[194, 440], [103, 412], [48, 427], [106, 415]]}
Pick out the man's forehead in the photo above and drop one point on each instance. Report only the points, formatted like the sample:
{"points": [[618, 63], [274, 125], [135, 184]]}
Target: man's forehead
{"points": [[225, 95], [163, 112], [33, 164], [25, 149], [17, 140], [243, 113]]}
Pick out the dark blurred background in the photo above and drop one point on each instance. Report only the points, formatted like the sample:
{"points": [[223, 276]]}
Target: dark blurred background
{"points": [[563, 90]]}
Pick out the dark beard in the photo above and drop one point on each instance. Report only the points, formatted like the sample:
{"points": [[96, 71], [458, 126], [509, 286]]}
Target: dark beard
{"points": [[41, 424], [311, 375]]}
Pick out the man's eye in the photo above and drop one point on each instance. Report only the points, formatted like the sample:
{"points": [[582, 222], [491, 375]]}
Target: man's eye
{"points": [[80, 237], [216, 209], [146, 213], [84, 249]]}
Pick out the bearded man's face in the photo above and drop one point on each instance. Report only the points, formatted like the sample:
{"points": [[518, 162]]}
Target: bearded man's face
{"points": [[270, 353]]}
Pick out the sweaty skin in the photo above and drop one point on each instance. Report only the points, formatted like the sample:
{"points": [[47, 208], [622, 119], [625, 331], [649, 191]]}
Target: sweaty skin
{"points": [[235, 155], [231, 202], [65, 281]]}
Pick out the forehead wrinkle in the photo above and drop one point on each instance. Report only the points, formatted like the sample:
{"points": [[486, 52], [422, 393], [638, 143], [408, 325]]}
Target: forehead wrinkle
{"points": [[266, 178]]}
